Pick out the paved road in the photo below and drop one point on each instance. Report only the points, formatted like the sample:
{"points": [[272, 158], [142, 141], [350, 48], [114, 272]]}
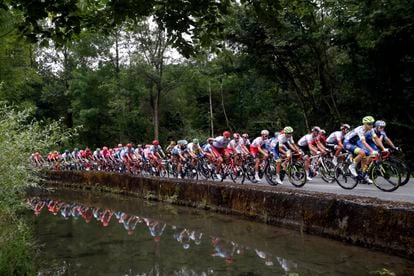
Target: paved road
{"points": [[404, 193]]}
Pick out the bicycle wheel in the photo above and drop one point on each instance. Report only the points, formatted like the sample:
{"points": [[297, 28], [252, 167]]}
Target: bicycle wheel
{"points": [[404, 170], [297, 174], [270, 173], [386, 176], [327, 170], [191, 172], [236, 173], [343, 176], [249, 171]]}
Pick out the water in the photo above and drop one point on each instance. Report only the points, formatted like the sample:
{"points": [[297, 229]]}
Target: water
{"points": [[86, 234]]}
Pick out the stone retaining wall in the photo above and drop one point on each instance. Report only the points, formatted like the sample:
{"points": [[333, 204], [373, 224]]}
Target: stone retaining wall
{"points": [[368, 222]]}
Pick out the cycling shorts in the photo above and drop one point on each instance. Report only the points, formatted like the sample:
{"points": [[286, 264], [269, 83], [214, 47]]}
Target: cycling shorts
{"points": [[365, 149]]}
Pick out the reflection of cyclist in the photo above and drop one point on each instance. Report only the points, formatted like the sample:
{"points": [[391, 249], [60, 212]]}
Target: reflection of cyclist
{"points": [[65, 211], [130, 222], [223, 249], [184, 238], [196, 237], [286, 265], [156, 228], [266, 257], [38, 207], [86, 214], [106, 217]]}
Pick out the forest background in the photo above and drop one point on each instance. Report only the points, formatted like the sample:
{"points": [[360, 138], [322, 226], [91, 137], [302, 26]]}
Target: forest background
{"points": [[132, 71]]}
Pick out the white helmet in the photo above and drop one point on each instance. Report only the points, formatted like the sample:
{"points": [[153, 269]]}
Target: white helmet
{"points": [[345, 126], [264, 132]]}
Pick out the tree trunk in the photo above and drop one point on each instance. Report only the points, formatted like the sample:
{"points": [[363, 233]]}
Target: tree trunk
{"points": [[211, 109], [222, 105]]}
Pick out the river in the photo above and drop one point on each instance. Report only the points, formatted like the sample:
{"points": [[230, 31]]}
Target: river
{"points": [[83, 233]]}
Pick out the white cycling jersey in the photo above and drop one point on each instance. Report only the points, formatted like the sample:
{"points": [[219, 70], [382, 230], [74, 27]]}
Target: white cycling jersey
{"points": [[307, 139], [258, 142], [283, 139], [358, 133], [334, 137], [220, 142]]}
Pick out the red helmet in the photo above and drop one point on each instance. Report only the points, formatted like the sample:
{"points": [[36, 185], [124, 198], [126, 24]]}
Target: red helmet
{"points": [[155, 142], [227, 134], [105, 148], [129, 145]]}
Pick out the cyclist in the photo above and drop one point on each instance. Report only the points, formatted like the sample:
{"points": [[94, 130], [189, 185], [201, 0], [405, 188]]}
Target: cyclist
{"points": [[380, 132], [335, 139], [355, 142], [194, 150], [219, 150], [207, 151], [156, 154], [257, 148], [246, 140], [311, 145], [272, 146], [286, 142], [170, 147], [178, 155]]}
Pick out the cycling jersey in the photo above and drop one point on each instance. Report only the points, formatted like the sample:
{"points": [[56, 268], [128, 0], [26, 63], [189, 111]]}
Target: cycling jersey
{"points": [[334, 137], [125, 152], [283, 139], [353, 140], [207, 148], [308, 139], [358, 133], [380, 134], [236, 145], [178, 150], [272, 146], [155, 149], [194, 148], [258, 142], [220, 142]]}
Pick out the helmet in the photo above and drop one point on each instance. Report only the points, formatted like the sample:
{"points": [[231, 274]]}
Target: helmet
{"points": [[129, 145], [98, 149], [380, 123], [368, 120], [105, 148], [67, 151], [264, 132], [75, 149], [245, 135], [155, 142], [236, 135], [195, 141], [323, 132], [288, 130], [226, 134], [120, 146], [316, 128], [182, 142], [345, 126], [210, 140]]}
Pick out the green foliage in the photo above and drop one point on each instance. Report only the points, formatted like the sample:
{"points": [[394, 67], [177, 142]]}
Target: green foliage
{"points": [[282, 62], [20, 136]]}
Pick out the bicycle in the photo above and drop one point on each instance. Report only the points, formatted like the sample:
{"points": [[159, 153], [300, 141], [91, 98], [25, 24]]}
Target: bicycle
{"points": [[384, 174]]}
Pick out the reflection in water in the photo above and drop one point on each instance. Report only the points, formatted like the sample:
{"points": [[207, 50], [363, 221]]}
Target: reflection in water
{"points": [[122, 236], [221, 248]]}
